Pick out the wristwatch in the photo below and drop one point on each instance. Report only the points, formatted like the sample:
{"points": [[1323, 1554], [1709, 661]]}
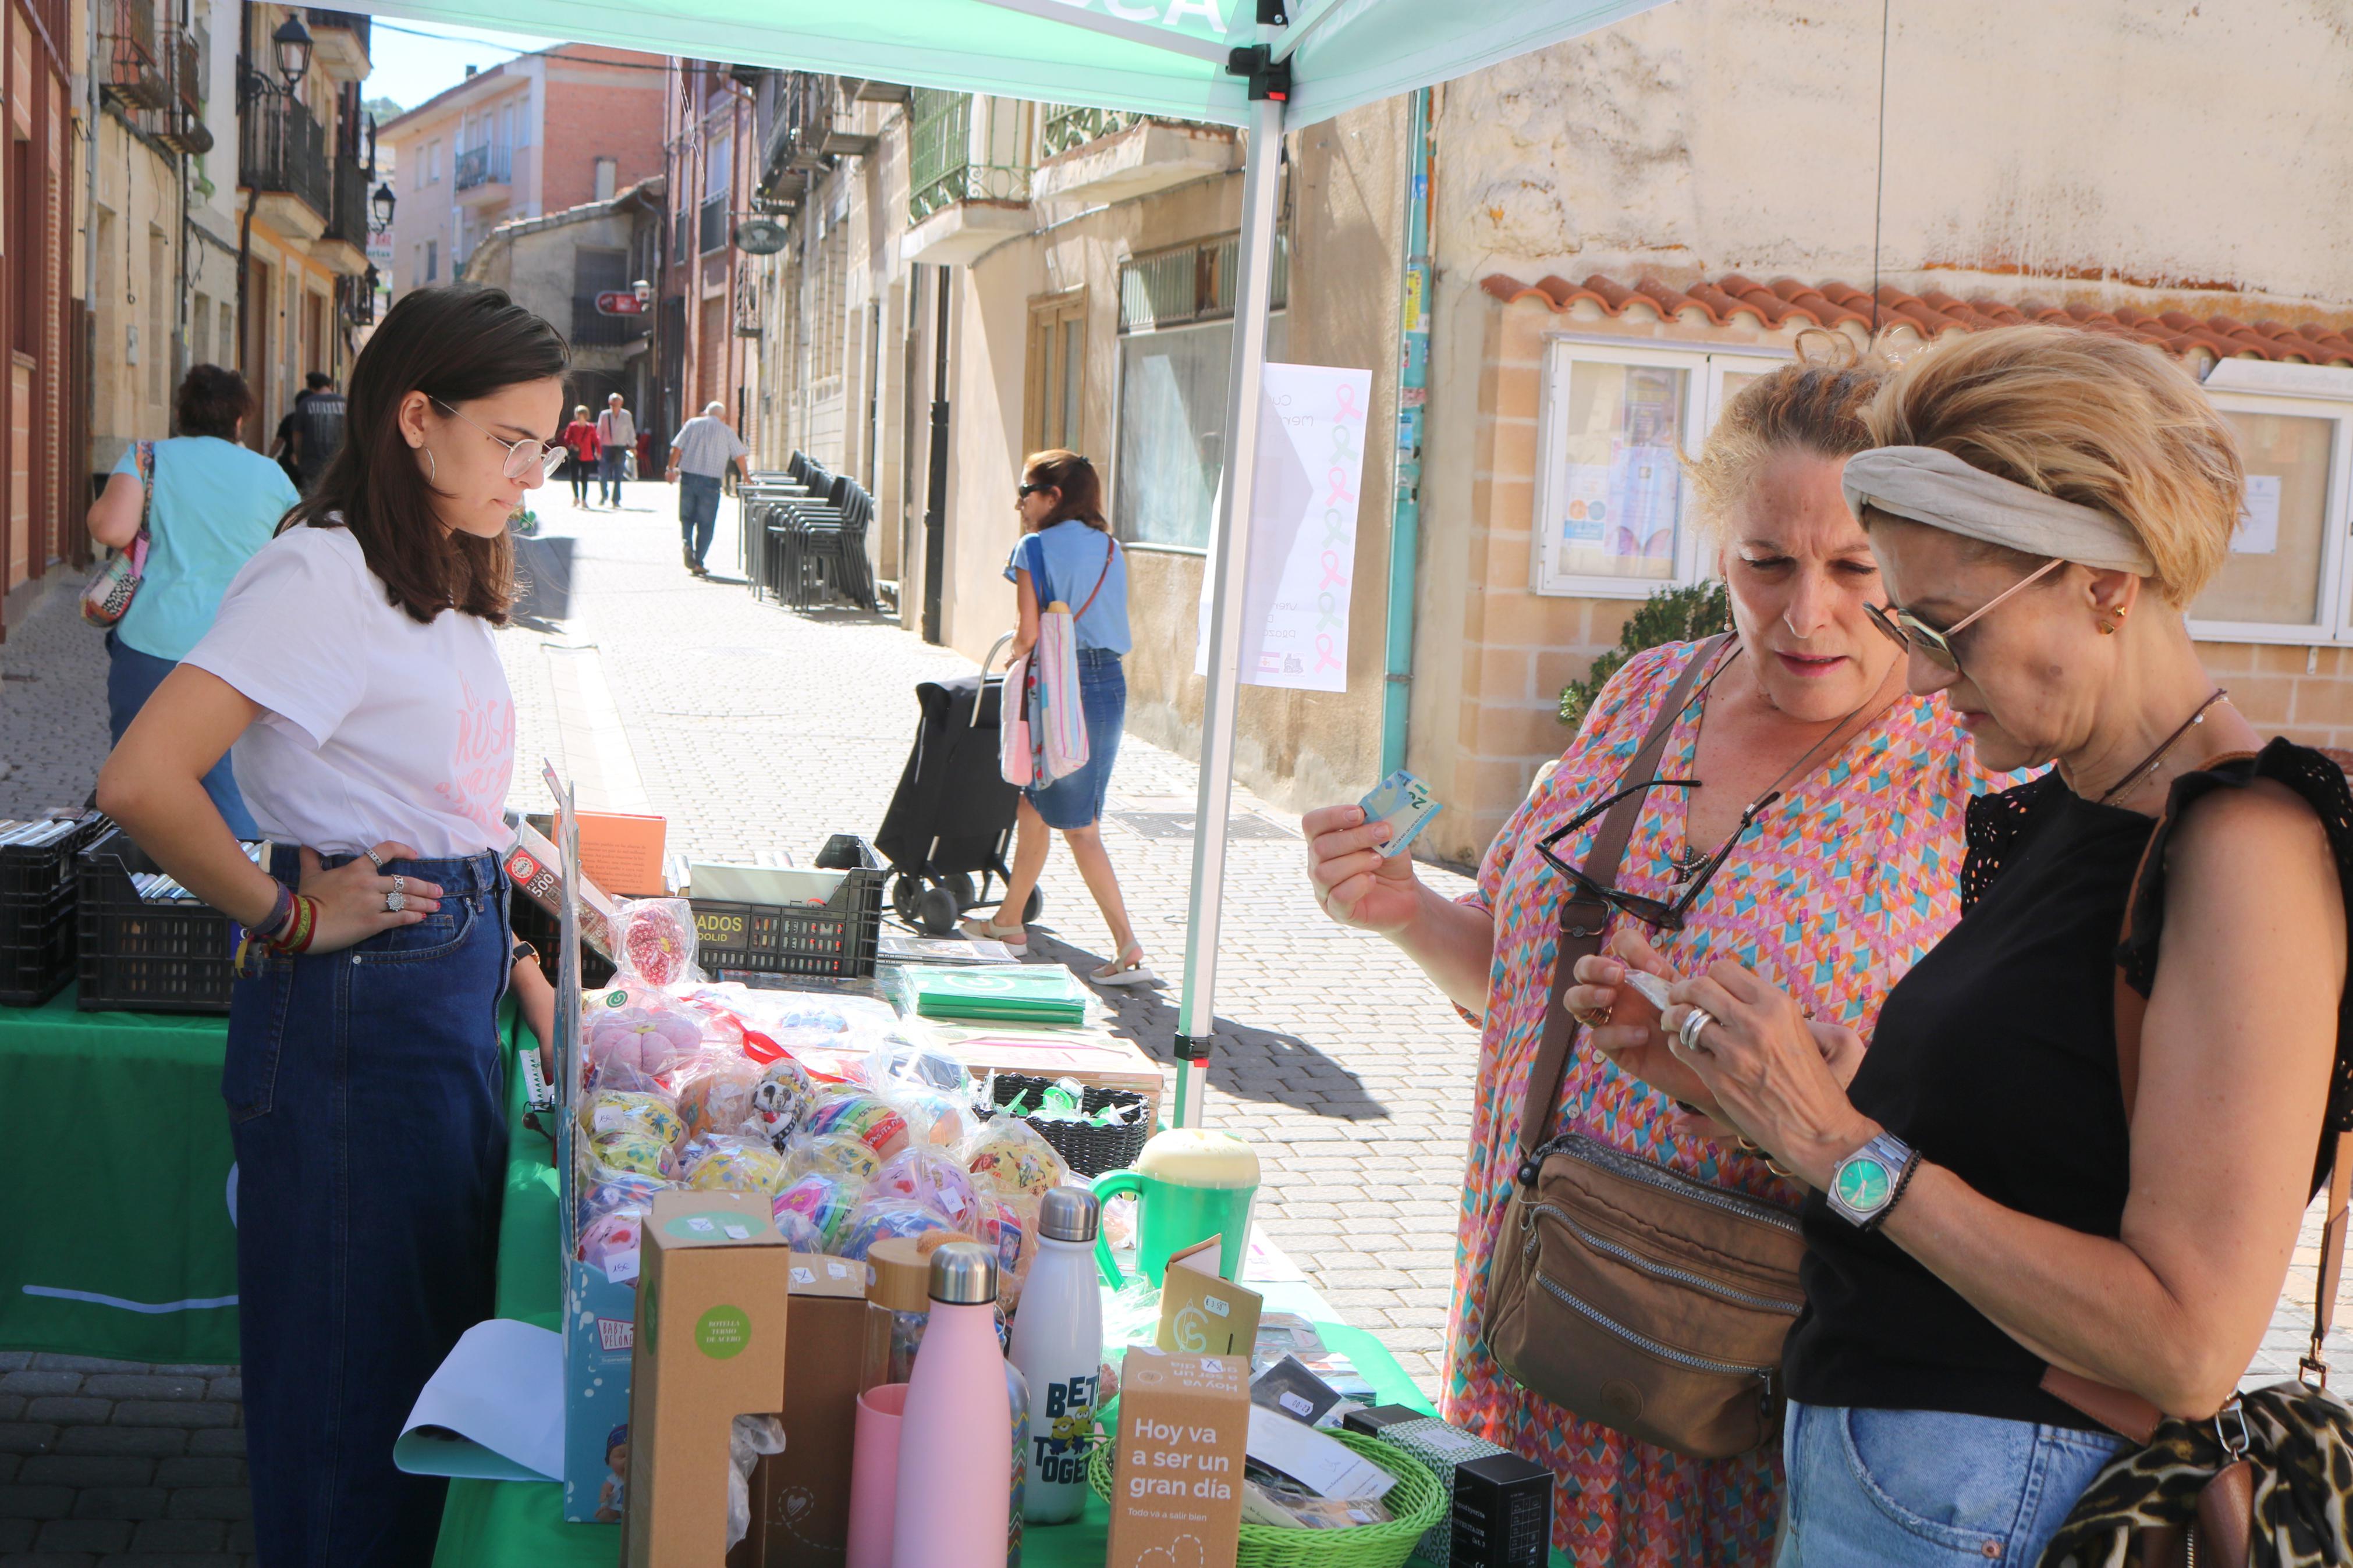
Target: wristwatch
{"points": [[1866, 1184]]}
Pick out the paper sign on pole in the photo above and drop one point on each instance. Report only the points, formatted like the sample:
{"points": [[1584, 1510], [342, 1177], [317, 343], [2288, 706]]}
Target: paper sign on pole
{"points": [[1302, 540]]}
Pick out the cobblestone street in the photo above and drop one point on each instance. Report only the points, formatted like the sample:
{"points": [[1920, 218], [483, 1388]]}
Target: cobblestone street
{"points": [[756, 730]]}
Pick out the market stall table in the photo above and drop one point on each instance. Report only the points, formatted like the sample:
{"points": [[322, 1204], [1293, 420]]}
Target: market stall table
{"points": [[519, 1524], [122, 1227]]}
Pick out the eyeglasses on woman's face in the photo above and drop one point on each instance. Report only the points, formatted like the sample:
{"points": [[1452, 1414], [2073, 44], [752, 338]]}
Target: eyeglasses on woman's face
{"points": [[1918, 635], [526, 459]]}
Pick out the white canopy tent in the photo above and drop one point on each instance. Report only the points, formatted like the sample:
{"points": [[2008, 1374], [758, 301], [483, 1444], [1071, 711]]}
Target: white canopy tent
{"points": [[1283, 65]]}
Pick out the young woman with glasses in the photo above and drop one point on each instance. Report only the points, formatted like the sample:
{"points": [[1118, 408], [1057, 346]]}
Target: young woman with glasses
{"points": [[1811, 818], [1993, 1199], [351, 675]]}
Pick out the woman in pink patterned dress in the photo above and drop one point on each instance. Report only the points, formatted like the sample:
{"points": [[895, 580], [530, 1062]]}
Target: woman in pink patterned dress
{"points": [[1842, 882]]}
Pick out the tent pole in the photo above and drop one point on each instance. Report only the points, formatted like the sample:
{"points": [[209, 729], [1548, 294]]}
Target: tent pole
{"points": [[1229, 569]]}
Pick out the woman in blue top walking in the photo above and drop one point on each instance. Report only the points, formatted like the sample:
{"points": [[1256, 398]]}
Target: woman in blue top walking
{"points": [[1067, 553], [214, 504]]}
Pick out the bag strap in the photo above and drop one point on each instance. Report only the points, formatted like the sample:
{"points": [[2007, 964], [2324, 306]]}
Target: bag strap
{"points": [[2120, 1409], [1111, 548], [145, 459], [1584, 917]]}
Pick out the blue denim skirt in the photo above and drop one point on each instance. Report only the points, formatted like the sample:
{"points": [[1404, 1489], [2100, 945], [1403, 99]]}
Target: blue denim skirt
{"points": [[1927, 1488], [1076, 800], [367, 1106]]}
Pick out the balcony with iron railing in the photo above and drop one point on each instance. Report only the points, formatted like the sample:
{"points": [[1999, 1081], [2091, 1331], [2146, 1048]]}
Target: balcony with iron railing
{"points": [[942, 169], [484, 165], [592, 329], [131, 59], [1107, 155], [283, 152], [1063, 126], [347, 220]]}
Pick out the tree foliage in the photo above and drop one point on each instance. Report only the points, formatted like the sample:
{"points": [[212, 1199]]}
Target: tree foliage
{"points": [[1671, 615]]}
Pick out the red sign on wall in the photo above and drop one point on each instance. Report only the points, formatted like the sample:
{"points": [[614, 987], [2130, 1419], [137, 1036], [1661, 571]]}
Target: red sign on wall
{"points": [[619, 302]]}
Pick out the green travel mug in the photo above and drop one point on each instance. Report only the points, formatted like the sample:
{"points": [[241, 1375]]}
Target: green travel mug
{"points": [[1190, 1183]]}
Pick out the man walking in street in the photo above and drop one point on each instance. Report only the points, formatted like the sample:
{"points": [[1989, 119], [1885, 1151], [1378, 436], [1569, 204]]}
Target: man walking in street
{"points": [[310, 436], [616, 436], [700, 457]]}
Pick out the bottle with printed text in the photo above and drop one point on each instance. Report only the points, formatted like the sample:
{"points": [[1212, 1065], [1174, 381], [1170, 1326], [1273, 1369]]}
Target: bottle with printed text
{"points": [[1057, 1345]]}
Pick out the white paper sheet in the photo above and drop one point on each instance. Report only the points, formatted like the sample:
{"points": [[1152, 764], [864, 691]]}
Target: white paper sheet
{"points": [[2258, 532], [494, 1409]]}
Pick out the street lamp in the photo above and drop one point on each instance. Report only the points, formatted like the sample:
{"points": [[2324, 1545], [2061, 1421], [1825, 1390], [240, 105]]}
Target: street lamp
{"points": [[293, 43], [383, 202]]}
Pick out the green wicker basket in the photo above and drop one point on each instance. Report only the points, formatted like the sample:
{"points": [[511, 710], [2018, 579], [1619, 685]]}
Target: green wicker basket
{"points": [[1417, 1501]]}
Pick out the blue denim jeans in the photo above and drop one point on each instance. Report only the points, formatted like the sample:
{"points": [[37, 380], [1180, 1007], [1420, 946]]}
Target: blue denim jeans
{"points": [[1896, 1488], [610, 465], [367, 1106], [132, 678], [1076, 800], [697, 511]]}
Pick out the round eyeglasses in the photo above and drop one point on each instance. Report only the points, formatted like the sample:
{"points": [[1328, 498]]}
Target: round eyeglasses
{"points": [[526, 459]]}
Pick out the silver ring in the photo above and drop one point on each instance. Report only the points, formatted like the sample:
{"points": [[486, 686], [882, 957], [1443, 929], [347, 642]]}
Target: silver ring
{"points": [[394, 902], [374, 860], [1698, 1018]]}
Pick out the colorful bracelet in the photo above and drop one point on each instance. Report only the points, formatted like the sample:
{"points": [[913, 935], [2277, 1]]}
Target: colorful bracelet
{"points": [[280, 913], [300, 927]]}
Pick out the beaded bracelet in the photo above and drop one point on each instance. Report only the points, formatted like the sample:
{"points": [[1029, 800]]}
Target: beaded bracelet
{"points": [[280, 912]]}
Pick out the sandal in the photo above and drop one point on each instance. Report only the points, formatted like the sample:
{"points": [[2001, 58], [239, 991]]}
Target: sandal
{"points": [[1127, 969], [1016, 937]]}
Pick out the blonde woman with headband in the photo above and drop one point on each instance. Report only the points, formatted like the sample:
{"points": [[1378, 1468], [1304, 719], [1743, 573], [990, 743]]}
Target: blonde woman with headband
{"points": [[1817, 841], [1987, 1204]]}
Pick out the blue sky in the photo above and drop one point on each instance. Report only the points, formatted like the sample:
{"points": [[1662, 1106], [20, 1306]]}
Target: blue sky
{"points": [[410, 69]]}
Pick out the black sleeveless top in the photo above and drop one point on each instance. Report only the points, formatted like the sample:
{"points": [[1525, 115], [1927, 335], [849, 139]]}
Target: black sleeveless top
{"points": [[1995, 1058]]}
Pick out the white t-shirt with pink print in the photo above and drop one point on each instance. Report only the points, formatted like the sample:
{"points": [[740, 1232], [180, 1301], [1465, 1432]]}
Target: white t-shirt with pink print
{"points": [[377, 727]]}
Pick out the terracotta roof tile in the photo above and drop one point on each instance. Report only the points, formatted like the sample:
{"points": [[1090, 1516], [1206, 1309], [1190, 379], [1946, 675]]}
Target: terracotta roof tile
{"points": [[1795, 303]]}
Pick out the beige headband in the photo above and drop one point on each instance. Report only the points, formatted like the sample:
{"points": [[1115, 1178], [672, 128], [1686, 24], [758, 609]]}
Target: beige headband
{"points": [[1936, 487]]}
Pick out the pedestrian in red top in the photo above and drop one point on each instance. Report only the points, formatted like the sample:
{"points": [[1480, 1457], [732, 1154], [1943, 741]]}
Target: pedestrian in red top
{"points": [[580, 435]]}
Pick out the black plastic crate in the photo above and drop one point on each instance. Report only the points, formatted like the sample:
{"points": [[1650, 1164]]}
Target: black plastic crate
{"points": [[142, 956], [37, 916], [544, 931], [836, 939]]}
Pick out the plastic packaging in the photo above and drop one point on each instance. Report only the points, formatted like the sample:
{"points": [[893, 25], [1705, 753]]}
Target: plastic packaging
{"points": [[608, 1191], [931, 1179], [747, 1439], [1014, 1157], [634, 1048], [714, 1094], [722, 1164], [873, 1221], [836, 1154], [871, 1119], [896, 1063], [800, 1233], [630, 1149], [657, 942], [936, 1118], [614, 1110], [782, 1100], [821, 1202]]}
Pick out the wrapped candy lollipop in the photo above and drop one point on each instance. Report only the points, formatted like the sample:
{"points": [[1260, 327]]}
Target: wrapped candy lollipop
{"points": [[782, 1099], [715, 1095], [934, 1180], [657, 941], [612, 1110], [871, 1222], [633, 1047], [722, 1164], [838, 1155], [1015, 1158], [871, 1121], [819, 1201], [616, 1192], [612, 1244]]}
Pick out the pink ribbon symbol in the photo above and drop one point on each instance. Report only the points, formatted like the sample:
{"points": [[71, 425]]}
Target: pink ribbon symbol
{"points": [[1348, 409], [1332, 577], [1338, 478], [1325, 658]]}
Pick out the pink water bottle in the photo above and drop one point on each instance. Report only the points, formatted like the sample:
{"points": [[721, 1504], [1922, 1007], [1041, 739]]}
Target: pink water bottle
{"points": [[955, 1487]]}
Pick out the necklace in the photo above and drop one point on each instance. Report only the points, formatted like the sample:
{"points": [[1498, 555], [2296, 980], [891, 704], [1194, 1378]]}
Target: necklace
{"points": [[1687, 860], [2140, 771]]}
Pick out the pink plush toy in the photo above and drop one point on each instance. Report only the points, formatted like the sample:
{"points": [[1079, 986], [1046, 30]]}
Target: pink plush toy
{"points": [[631, 1044]]}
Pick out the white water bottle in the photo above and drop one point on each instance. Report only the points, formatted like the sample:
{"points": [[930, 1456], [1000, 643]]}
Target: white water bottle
{"points": [[1057, 1345]]}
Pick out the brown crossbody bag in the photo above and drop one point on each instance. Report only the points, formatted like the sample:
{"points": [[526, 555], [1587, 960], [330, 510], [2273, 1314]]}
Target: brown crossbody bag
{"points": [[1637, 1296]]}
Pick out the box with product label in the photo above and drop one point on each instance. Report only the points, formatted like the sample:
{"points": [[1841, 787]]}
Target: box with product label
{"points": [[1176, 1473], [1503, 1513], [1445, 1449], [712, 1295], [536, 869], [838, 1347], [1202, 1314]]}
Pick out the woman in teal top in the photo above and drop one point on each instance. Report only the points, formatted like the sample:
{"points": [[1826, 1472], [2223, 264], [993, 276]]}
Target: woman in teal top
{"points": [[215, 504]]}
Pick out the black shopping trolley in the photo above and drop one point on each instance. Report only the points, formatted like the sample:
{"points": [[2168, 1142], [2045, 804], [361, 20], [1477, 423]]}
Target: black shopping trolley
{"points": [[952, 817]]}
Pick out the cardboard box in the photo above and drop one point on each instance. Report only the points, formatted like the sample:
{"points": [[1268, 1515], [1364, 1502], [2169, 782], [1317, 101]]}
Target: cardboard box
{"points": [[1503, 1513], [837, 1346], [1176, 1476], [621, 852], [1201, 1313], [536, 869], [600, 1329], [711, 1338]]}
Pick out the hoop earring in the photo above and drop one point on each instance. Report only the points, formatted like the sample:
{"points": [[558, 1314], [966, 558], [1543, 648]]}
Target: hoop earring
{"points": [[433, 474]]}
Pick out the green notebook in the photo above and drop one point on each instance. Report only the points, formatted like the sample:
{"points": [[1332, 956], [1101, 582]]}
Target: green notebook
{"points": [[1036, 994]]}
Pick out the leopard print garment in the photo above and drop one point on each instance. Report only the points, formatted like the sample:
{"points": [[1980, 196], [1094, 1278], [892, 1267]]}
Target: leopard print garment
{"points": [[2302, 1445]]}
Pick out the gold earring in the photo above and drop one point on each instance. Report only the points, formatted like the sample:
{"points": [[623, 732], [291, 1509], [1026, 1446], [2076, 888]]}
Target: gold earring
{"points": [[2107, 628]]}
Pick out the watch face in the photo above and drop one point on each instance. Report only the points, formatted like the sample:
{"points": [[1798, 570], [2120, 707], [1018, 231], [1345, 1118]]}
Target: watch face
{"points": [[1863, 1184]]}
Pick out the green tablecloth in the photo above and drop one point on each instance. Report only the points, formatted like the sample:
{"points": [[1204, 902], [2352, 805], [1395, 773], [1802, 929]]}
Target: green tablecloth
{"points": [[121, 1188], [519, 1524]]}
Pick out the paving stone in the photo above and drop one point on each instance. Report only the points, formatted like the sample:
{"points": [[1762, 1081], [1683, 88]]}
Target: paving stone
{"points": [[219, 1440], [137, 1386], [230, 1387], [121, 1503], [182, 1413], [82, 1363], [15, 1361], [204, 1369], [87, 1470], [33, 1385], [182, 1535], [72, 1408], [211, 1502], [27, 1438], [12, 1407], [16, 1536], [94, 1535], [206, 1472], [149, 1442], [50, 1560], [35, 1502]]}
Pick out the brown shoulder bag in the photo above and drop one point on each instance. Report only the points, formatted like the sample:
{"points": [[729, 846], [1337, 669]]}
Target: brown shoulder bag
{"points": [[1633, 1294]]}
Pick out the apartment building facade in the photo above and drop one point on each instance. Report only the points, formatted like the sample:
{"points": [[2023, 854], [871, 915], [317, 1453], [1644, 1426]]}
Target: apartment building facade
{"points": [[564, 127]]}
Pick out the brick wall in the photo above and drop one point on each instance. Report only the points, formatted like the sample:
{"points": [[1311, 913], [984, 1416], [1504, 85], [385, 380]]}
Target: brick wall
{"points": [[2303, 693], [617, 115]]}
